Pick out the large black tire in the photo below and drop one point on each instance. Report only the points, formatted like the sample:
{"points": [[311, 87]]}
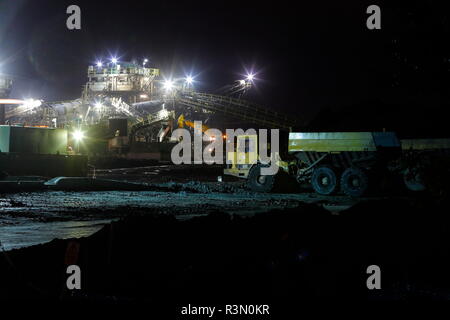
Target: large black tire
{"points": [[324, 180], [354, 182], [258, 183]]}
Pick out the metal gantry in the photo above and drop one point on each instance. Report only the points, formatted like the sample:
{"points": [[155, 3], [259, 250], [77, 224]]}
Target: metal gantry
{"points": [[237, 108], [228, 106]]}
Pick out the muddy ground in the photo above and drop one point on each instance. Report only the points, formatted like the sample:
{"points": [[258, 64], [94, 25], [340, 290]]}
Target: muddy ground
{"points": [[195, 239], [183, 191], [290, 255]]}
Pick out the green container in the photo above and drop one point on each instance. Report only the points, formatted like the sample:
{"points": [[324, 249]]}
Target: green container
{"points": [[32, 140]]}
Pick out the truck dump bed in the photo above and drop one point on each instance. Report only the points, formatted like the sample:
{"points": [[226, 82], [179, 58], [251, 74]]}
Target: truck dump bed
{"points": [[425, 144], [341, 141]]}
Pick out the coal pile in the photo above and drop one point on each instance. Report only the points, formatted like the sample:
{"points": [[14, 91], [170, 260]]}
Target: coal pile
{"points": [[300, 253]]}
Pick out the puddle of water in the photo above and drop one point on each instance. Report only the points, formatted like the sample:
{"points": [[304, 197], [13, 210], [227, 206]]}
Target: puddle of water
{"points": [[32, 233]]}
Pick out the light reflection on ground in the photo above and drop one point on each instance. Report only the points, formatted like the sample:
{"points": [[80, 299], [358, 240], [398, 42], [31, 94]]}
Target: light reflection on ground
{"points": [[38, 217]]}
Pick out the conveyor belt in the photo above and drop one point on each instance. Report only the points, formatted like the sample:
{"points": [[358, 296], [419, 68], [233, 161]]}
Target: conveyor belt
{"points": [[237, 108]]}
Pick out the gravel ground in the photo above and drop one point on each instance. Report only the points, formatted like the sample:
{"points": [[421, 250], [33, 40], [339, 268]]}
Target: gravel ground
{"points": [[32, 218], [186, 191]]}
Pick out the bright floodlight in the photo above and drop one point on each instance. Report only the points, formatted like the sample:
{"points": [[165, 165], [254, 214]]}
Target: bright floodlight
{"points": [[163, 113], [78, 135], [31, 103], [114, 60], [189, 80], [168, 85], [250, 77], [99, 64], [98, 105], [145, 60]]}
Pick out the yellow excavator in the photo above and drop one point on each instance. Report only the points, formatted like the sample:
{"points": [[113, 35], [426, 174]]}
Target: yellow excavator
{"points": [[182, 122]]}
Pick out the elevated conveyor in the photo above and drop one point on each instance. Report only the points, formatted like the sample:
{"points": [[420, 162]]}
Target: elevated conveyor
{"points": [[237, 108]]}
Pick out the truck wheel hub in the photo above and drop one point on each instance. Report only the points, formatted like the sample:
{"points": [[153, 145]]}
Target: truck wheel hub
{"points": [[261, 179], [355, 182], [325, 181]]}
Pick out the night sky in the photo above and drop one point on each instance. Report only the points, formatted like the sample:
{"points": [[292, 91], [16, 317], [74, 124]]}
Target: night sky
{"points": [[308, 57]]}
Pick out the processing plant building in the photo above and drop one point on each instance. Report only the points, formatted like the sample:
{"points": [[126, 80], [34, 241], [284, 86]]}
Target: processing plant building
{"points": [[130, 79]]}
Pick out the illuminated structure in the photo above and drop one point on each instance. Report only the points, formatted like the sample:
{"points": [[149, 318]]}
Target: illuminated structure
{"points": [[5, 86], [130, 81], [5, 89], [135, 95]]}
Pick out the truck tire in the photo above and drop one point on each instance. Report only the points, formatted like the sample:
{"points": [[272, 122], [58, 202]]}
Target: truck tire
{"points": [[259, 183], [324, 180], [413, 180], [354, 182]]}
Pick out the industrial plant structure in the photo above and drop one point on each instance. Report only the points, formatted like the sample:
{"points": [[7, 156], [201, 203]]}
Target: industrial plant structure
{"points": [[5, 89], [28, 149], [129, 81], [5, 86], [128, 111]]}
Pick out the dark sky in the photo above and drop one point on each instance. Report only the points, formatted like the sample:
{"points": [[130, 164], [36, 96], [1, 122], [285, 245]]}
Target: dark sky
{"points": [[307, 55]]}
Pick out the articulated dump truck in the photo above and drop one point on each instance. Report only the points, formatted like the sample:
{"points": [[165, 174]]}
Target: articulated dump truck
{"points": [[346, 162]]}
